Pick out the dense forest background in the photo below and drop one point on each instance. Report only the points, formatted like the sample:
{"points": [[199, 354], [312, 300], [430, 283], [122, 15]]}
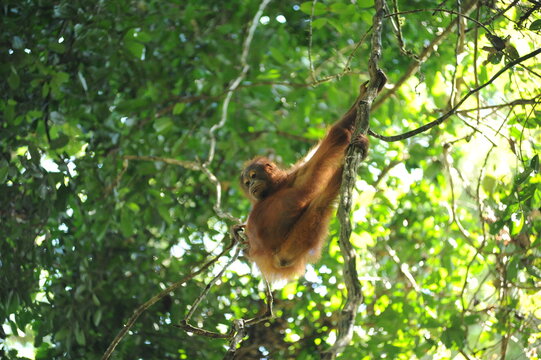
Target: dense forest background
{"points": [[124, 126]]}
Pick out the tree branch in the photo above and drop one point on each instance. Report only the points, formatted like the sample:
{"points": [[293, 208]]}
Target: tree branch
{"points": [[504, 105], [448, 114], [186, 322], [217, 207], [427, 52], [141, 309], [236, 82], [346, 320]]}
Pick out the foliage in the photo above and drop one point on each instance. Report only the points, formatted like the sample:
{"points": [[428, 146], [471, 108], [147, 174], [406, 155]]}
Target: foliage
{"points": [[447, 223]]}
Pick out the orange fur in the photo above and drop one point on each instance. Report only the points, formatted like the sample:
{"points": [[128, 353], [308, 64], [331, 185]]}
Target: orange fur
{"points": [[291, 210]]}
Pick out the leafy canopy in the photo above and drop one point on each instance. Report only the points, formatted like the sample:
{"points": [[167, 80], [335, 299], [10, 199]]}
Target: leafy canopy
{"points": [[101, 98]]}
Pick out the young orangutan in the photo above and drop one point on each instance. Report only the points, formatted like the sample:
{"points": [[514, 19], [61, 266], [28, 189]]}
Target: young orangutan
{"points": [[291, 210]]}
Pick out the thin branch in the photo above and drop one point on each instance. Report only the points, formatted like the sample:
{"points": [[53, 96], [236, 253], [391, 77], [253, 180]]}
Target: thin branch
{"points": [[458, 13], [455, 219], [236, 82], [268, 312], [141, 309], [459, 48], [238, 330], [404, 268], [530, 11], [475, 58], [385, 171], [463, 353], [504, 105], [192, 166], [312, 72], [218, 204], [427, 52], [186, 322], [239, 326], [480, 247], [186, 164], [501, 12], [475, 129], [357, 46], [454, 109], [481, 219], [395, 21], [119, 176], [234, 85]]}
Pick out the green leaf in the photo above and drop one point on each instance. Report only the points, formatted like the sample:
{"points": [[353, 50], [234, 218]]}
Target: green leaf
{"points": [[512, 268], [142, 36], [270, 74], [79, 335], [337, 25], [536, 25], [132, 105], [363, 4], [101, 231], [523, 176], [62, 195], [34, 154], [163, 124], [534, 163], [512, 52], [133, 207], [517, 219], [43, 351], [319, 8], [278, 55], [60, 141], [454, 336], [366, 16], [178, 108], [533, 270], [495, 57], [4, 167], [97, 317], [342, 9], [45, 90], [483, 74], [126, 224], [57, 81], [147, 168], [489, 183], [471, 319], [514, 132], [319, 23], [57, 47], [13, 80], [135, 48], [164, 212], [60, 78], [536, 199]]}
